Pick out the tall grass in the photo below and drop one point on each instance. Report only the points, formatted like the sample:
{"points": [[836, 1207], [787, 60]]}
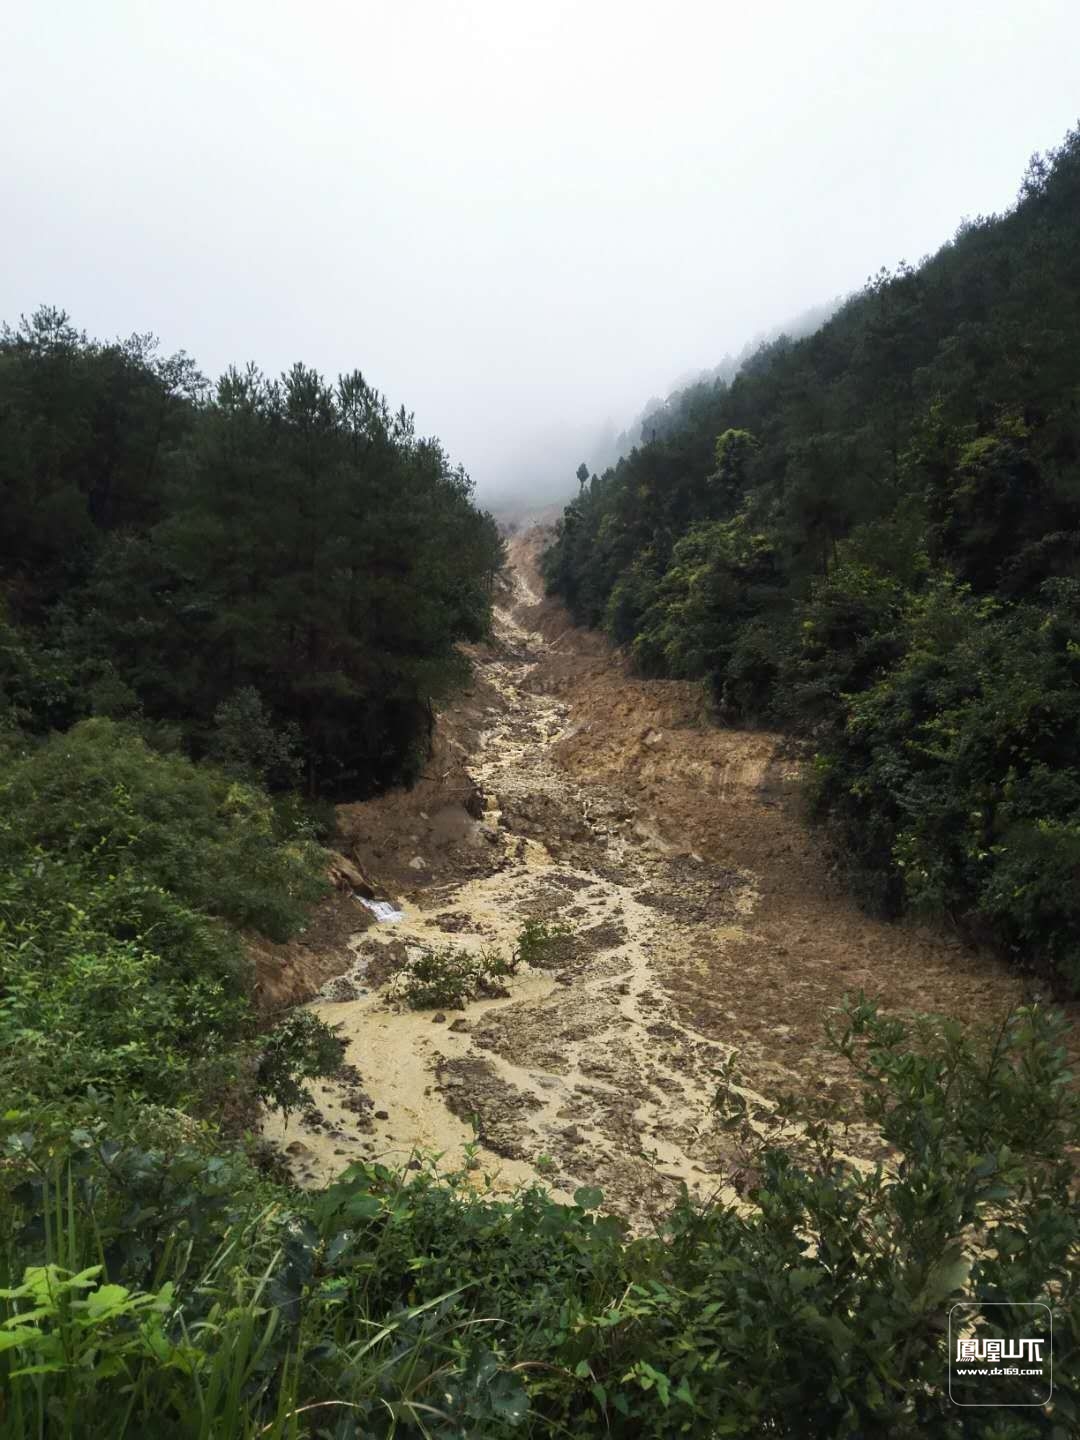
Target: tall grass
{"points": [[232, 1349]]}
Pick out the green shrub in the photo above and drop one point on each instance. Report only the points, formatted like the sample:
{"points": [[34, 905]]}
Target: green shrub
{"points": [[247, 743], [541, 943], [118, 971], [448, 975], [101, 794], [423, 1305], [299, 1047]]}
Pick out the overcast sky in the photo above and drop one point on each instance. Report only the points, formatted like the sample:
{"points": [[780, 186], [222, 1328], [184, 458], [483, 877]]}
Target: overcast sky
{"points": [[519, 219]]}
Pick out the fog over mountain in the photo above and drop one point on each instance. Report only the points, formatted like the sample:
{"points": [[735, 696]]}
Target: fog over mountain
{"points": [[522, 221]]}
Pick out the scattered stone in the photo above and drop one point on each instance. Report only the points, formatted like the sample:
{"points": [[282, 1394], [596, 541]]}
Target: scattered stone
{"points": [[382, 1114], [418, 863], [438, 1018], [456, 922], [459, 1024], [339, 989]]}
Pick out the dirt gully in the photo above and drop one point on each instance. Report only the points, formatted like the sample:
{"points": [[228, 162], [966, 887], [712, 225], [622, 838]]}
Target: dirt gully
{"points": [[703, 921]]}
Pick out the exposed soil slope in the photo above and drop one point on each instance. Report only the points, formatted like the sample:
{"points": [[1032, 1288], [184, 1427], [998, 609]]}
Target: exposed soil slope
{"points": [[704, 920]]}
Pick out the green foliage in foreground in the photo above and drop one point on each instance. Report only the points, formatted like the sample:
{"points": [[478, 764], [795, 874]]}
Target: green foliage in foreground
{"points": [[149, 1287], [871, 537], [124, 877]]}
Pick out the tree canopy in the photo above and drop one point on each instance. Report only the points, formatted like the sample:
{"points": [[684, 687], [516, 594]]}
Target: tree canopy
{"points": [[168, 547]]}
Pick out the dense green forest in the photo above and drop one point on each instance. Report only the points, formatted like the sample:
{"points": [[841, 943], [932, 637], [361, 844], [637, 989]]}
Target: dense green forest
{"points": [[268, 571], [871, 537], [225, 606]]}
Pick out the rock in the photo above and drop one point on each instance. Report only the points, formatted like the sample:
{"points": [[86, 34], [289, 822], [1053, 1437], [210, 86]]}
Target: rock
{"points": [[344, 875], [574, 1135], [459, 1024], [297, 1148], [494, 991], [382, 1114], [475, 803], [417, 863], [565, 978], [438, 1018], [339, 989], [490, 834]]}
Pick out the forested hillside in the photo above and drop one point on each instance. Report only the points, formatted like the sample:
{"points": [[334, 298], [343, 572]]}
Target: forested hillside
{"points": [[269, 572], [871, 536], [219, 605]]}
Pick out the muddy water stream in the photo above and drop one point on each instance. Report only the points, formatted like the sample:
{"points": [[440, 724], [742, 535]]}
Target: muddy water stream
{"points": [[601, 1069]]}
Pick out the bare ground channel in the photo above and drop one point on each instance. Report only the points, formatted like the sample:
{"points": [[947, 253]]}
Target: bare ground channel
{"points": [[704, 919]]}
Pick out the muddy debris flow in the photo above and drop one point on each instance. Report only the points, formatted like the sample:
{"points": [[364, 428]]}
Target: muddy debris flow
{"points": [[702, 921]]}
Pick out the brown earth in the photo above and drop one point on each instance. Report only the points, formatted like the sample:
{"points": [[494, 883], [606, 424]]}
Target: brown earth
{"points": [[705, 920]]}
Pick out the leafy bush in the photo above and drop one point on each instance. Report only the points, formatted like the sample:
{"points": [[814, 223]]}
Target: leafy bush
{"points": [[248, 743], [299, 1047], [111, 982], [422, 1305], [449, 975], [117, 969], [101, 794], [541, 943]]}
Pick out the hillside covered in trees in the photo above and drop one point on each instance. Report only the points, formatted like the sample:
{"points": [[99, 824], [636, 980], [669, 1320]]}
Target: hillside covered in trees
{"points": [[871, 536], [270, 572], [218, 606]]}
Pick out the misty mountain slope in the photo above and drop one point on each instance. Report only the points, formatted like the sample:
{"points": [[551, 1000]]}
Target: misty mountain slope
{"points": [[872, 537]]}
